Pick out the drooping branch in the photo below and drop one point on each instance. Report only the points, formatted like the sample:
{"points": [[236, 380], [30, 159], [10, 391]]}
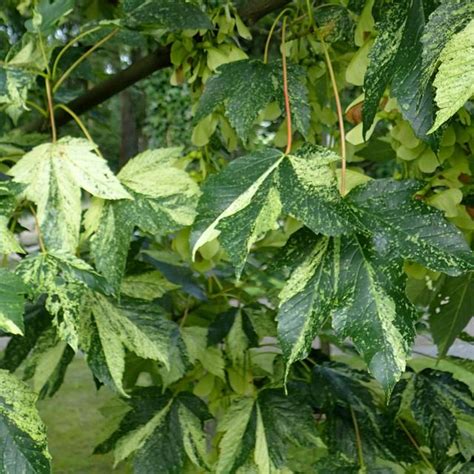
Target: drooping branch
{"points": [[251, 12]]}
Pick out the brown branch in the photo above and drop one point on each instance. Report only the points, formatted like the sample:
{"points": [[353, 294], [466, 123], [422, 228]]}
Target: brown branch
{"points": [[251, 12], [140, 69]]}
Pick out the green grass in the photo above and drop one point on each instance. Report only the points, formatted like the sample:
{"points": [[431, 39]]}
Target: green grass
{"points": [[76, 425]]}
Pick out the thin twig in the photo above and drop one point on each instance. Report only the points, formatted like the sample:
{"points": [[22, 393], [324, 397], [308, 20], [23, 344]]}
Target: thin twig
{"points": [[289, 133], [82, 58], [360, 454], [40, 109], [270, 34], [69, 45]]}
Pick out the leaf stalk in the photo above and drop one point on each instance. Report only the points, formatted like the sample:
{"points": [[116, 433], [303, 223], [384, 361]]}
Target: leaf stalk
{"points": [[289, 132]]}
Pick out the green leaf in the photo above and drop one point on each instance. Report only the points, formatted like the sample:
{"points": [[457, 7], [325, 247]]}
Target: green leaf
{"points": [[12, 302], [395, 60], [307, 298], [112, 330], [211, 359], [365, 295], [245, 200], [372, 308], [449, 18], [437, 398], [172, 14], [18, 348], [47, 363], [454, 80], [337, 384], [54, 174], [451, 309], [161, 432], [416, 103], [268, 426], [8, 242], [146, 286], [47, 14], [398, 223], [23, 441], [64, 280], [343, 395], [246, 87], [382, 56], [164, 201], [238, 426], [240, 338]]}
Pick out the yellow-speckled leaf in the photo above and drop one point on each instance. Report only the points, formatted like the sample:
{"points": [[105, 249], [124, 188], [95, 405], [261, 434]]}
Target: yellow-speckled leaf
{"points": [[12, 301], [23, 442], [54, 174], [454, 81], [246, 199], [165, 200]]}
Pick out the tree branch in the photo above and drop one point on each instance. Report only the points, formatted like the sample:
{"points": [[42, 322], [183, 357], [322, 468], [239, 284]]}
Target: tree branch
{"points": [[253, 10], [250, 12]]}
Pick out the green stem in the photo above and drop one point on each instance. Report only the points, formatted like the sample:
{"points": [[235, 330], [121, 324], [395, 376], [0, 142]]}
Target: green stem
{"points": [[38, 230], [289, 132], [79, 123], [82, 58], [69, 45], [49, 97], [45, 57], [270, 34], [40, 109], [340, 116], [360, 454], [416, 445]]}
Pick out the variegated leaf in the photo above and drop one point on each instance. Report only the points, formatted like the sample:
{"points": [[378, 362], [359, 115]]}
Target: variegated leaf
{"points": [[111, 330], [454, 80], [8, 242], [65, 280], [344, 278], [161, 432], [172, 14], [12, 302], [54, 174], [449, 18], [372, 308], [268, 426], [399, 223], [382, 56], [246, 87], [23, 442], [164, 200], [307, 299], [245, 200], [437, 398]]}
